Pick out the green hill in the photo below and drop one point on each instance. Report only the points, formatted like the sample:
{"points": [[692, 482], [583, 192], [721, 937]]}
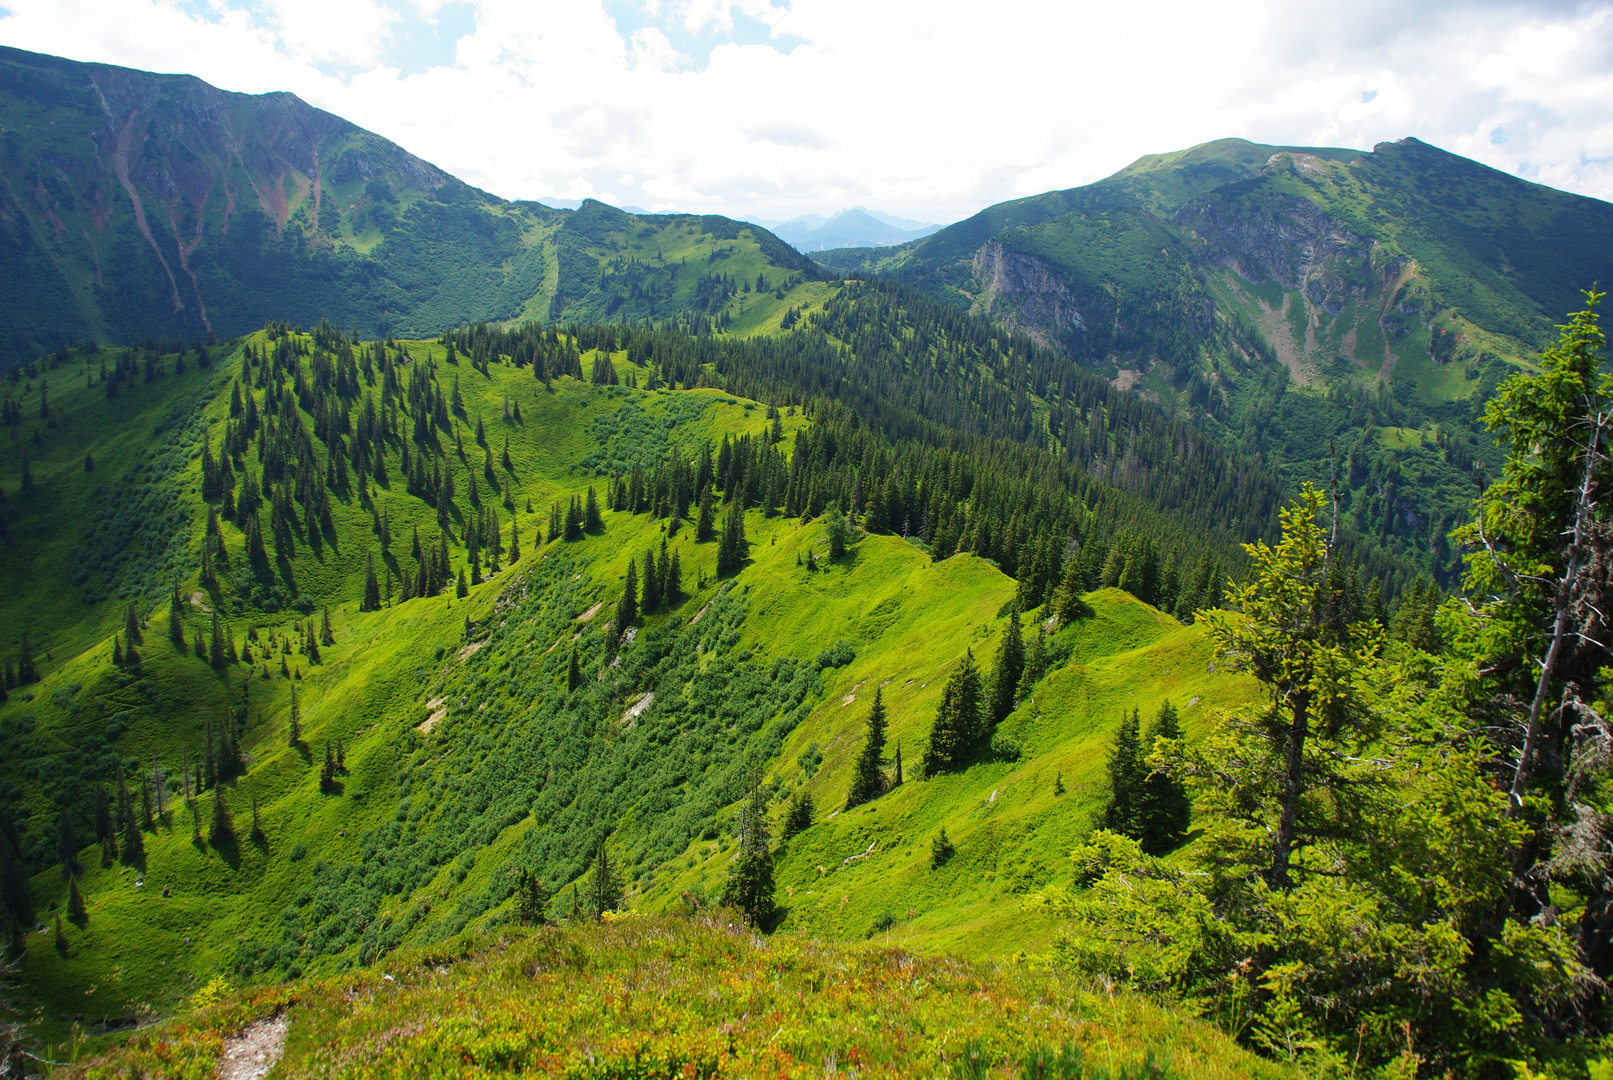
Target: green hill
{"points": [[1329, 311], [137, 205], [467, 757]]}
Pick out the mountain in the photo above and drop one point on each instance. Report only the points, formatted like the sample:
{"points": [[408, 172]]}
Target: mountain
{"points": [[854, 228], [136, 205], [1326, 310]]}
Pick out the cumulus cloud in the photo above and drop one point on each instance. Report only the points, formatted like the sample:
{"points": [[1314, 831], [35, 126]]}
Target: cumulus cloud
{"points": [[925, 109]]}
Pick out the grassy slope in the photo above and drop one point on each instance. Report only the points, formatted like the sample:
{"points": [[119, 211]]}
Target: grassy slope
{"points": [[635, 998], [910, 620]]}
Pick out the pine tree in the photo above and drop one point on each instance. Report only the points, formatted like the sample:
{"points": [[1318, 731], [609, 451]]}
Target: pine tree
{"points": [[257, 834], [838, 530], [1010, 666], [223, 830], [462, 588], [750, 878], [1164, 810], [131, 625], [1035, 662], [326, 635], [672, 590], [215, 651], [868, 777], [896, 774], [117, 651], [76, 911], [1126, 775], [573, 671], [295, 736], [941, 849], [605, 891], [327, 771]]}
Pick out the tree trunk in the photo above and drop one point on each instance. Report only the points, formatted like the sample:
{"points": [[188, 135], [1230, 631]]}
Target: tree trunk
{"points": [[1283, 843]]}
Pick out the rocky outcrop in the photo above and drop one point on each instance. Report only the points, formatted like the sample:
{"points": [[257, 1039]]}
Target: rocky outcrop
{"points": [[1289, 241], [1025, 294]]}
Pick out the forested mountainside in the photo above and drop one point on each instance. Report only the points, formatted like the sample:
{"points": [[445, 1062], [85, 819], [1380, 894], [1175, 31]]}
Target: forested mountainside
{"points": [[935, 695], [1324, 310], [135, 205]]}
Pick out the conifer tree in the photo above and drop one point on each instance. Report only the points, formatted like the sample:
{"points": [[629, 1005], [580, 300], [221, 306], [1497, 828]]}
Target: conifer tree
{"points": [[1035, 662], [67, 844], [732, 548], [591, 519], [176, 619], [117, 651], [215, 651], [462, 588], [627, 607], [1010, 666], [672, 591], [605, 891], [223, 830], [652, 584], [257, 824], [296, 720], [573, 671], [76, 911], [896, 772], [134, 845], [749, 886], [838, 530], [706, 524], [326, 635], [372, 590], [531, 898], [327, 771], [797, 815], [1126, 774], [868, 777], [956, 734], [1164, 810]]}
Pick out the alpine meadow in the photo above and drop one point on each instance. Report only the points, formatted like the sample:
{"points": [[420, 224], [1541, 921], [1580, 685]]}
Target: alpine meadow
{"points": [[1154, 629]]}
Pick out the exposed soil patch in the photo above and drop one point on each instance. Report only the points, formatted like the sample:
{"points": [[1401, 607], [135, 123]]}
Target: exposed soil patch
{"points": [[251, 1054]]}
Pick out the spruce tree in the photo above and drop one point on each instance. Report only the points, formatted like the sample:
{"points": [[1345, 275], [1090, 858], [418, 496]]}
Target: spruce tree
{"points": [[372, 589], [134, 845], [956, 733], [223, 830], [76, 911], [868, 777], [295, 736], [605, 891], [627, 607], [67, 844], [1125, 777], [117, 651], [750, 878], [257, 823], [531, 898], [706, 524], [573, 671], [215, 651], [176, 619], [327, 636], [327, 771], [591, 519], [131, 625], [1010, 666], [732, 548], [652, 584], [1164, 810], [798, 815]]}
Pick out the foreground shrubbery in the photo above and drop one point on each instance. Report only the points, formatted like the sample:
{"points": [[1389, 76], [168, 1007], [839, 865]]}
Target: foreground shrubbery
{"points": [[672, 997]]}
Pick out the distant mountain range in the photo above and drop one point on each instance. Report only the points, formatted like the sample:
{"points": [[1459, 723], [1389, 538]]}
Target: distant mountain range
{"points": [[855, 228], [135, 204]]}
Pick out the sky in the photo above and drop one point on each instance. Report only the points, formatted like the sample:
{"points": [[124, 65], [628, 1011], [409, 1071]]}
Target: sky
{"points": [[929, 110]]}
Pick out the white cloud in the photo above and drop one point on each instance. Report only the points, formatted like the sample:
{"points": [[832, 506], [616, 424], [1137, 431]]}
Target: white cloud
{"points": [[925, 109]]}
